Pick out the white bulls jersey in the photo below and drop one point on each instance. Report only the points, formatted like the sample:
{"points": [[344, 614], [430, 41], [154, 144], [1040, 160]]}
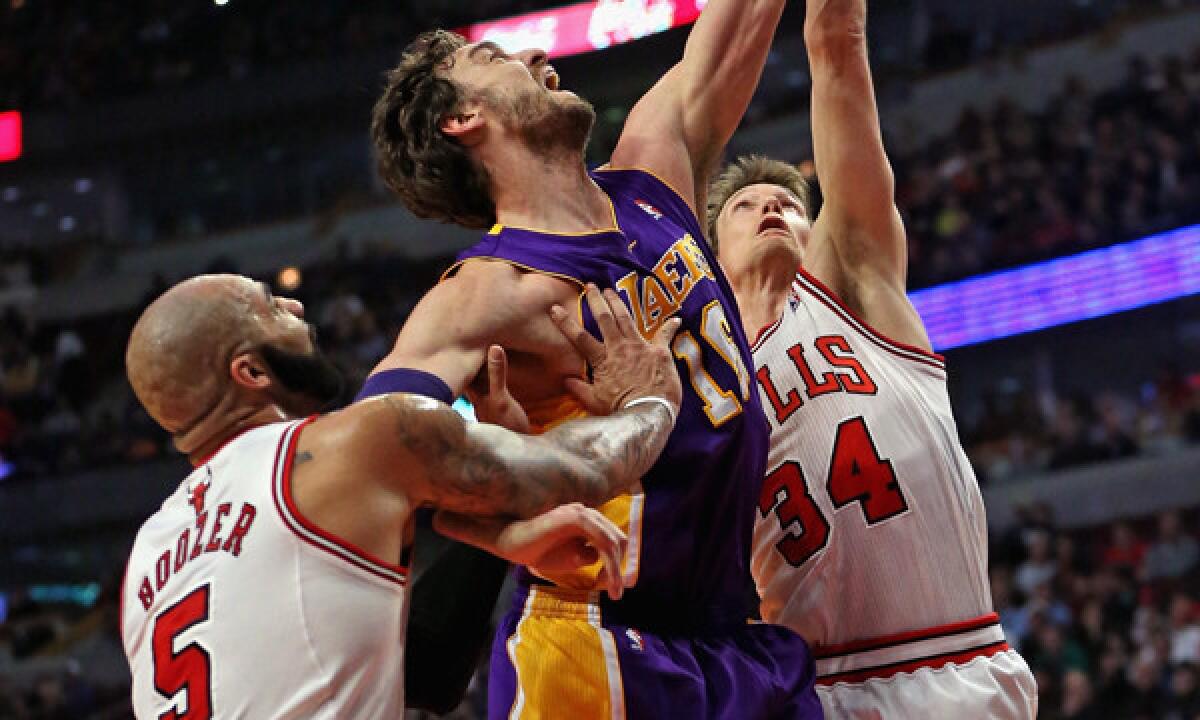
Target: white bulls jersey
{"points": [[236, 606], [871, 539]]}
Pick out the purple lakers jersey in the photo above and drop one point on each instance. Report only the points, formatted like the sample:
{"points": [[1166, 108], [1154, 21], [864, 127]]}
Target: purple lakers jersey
{"points": [[690, 521]]}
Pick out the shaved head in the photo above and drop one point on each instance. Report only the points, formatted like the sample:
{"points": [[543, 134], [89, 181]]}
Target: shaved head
{"points": [[180, 349]]}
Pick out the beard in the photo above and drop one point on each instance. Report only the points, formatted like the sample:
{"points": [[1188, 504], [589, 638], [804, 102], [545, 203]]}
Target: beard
{"points": [[549, 125], [310, 377]]}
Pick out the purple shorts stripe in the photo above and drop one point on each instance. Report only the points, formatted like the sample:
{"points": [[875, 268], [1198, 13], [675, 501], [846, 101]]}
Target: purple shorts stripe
{"points": [[748, 672]]}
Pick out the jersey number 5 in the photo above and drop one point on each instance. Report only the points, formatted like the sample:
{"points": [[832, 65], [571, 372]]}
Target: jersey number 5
{"points": [[190, 669], [856, 474]]}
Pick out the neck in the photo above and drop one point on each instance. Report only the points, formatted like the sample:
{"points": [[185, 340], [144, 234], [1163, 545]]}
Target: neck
{"points": [[762, 292], [551, 192], [218, 427]]}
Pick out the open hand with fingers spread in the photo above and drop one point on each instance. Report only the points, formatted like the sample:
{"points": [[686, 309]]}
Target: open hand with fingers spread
{"points": [[625, 366], [553, 544]]}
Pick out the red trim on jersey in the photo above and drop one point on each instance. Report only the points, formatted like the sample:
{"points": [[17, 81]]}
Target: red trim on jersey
{"points": [[767, 331], [933, 662], [839, 306], [350, 552], [224, 443], [121, 598], [876, 643]]}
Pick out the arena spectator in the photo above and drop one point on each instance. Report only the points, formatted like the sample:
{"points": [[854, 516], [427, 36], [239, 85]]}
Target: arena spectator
{"points": [[1174, 554]]}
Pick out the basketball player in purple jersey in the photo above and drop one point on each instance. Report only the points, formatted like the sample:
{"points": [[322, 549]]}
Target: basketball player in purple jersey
{"points": [[470, 134]]}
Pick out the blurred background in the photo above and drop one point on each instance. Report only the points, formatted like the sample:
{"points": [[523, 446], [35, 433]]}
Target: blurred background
{"points": [[1047, 154]]}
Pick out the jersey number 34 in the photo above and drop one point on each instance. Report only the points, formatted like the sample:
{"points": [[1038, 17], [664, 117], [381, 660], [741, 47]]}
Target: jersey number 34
{"points": [[856, 474]]}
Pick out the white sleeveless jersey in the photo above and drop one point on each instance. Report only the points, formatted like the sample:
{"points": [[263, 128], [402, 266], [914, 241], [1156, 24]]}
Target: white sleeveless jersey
{"points": [[871, 530], [236, 606]]}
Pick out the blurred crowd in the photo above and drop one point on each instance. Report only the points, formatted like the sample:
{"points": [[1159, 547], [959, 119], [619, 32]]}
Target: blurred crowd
{"points": [[66, 54], [1107, 618], [65, 405], [1018, 429], [1100, 165]]}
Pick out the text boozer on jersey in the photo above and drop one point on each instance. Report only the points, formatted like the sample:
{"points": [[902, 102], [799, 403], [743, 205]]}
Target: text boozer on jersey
{"points": [[677, 643], [228, 575]]}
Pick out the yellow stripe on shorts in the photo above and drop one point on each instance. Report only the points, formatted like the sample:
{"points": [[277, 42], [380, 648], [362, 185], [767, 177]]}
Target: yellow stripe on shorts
{"points": [[566, 663]]}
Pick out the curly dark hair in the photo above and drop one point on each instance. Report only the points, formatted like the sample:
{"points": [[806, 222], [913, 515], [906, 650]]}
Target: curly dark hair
{"points": [[433, 174], [750, 170]]}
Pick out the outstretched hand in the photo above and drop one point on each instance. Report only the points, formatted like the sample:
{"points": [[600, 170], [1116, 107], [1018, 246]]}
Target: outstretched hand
{"points": [[555, 543], [625, 366]]}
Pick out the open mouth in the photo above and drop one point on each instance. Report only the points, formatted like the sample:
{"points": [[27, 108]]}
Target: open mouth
{"points": [[773, 222], [550, 79]]}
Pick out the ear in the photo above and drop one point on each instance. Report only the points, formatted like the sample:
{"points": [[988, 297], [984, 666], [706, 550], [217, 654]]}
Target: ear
{"points": [[249, 371], [464, 125]]}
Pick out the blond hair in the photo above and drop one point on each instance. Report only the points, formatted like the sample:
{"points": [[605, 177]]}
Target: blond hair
{"points": [[750, 170]]}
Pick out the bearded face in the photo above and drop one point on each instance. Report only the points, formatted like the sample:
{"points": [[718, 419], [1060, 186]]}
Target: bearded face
{"points": [[310, 381], [548, 123], [520, 93]]}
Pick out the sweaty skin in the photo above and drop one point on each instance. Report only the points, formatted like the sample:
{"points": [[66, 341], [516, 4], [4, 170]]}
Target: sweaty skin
{"points": [[194, 361]]}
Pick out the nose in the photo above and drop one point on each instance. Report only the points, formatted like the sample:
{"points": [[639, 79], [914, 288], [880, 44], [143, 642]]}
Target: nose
{"points": [[533, 57], [293, 306], [773, 205]]}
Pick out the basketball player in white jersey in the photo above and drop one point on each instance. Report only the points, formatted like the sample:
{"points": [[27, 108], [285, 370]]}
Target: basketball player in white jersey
{"points": [[871, 539], [272, 582]]}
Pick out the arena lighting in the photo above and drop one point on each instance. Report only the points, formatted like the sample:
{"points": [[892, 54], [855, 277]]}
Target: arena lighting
{"points": [[585, 26], [10, 135], [289, 278], [1093, 284]]}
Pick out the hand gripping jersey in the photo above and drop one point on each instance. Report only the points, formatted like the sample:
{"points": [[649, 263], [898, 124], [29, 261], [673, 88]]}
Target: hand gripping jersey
{"points": [[690, 525], [235, 605], [677, 643], [871, 538]]}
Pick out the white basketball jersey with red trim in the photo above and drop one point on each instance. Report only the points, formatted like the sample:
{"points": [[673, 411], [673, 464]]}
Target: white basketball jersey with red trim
{"points": [[870, 522], [234, 605]]}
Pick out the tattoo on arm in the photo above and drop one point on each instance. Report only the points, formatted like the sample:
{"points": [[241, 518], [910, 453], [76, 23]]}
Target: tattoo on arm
{"points": [[484, 469], [301, 458]]}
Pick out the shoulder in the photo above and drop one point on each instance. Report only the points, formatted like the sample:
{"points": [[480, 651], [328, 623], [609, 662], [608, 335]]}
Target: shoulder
{"points": [[639, 184], [480, 296]]}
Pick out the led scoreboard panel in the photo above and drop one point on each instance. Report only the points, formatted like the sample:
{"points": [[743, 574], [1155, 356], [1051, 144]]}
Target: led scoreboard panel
{"points": [[1100, 282], [585, 26]]}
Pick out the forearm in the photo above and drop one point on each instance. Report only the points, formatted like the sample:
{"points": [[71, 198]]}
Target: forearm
{"points": [[588, 461], [857, 182], [722, 65]]}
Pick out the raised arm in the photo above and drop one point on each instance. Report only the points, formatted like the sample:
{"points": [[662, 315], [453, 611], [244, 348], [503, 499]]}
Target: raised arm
{"points": [[859, 245], [679, 129]]}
